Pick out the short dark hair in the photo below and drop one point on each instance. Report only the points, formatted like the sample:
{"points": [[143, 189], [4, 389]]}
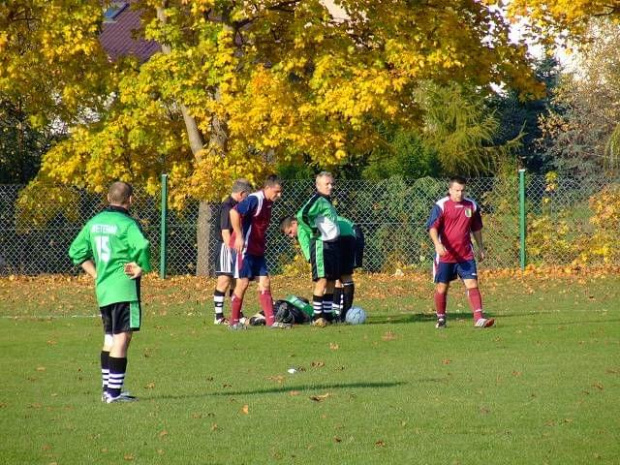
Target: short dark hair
{"points": [[286, 222], [119, 193], [272, 180], [458, 180]]}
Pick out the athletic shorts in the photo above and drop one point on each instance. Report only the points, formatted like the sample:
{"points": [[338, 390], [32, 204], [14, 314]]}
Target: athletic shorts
{"points": [[446, 272], [325, 260], [360, 244], [347, 255], [250, 266], [225, 261], [121, 317]]}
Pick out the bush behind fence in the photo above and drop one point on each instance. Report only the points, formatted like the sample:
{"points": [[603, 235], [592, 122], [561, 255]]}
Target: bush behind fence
{"points": [[568, 222]]}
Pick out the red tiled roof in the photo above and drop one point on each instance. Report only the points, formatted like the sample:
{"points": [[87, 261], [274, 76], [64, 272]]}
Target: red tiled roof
{"points": [[117, 37]]}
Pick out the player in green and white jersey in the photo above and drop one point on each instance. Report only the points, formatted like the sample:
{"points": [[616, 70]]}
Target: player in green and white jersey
{"points": [[351, 255], [113, 250], [319, 216]]}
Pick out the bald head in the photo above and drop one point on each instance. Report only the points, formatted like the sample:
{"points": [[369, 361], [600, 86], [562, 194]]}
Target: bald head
{"points": [[120, 194]]}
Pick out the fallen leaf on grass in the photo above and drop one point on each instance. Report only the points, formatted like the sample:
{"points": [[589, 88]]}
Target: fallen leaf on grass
{"points": [[334, 346], [163, 434], [128, 457], [293, 393], [317, 364], [320, 398], [245, 409], [447, 361], [389, 336], [214, 427], [40, 368], [337, 439], [380, 443]]}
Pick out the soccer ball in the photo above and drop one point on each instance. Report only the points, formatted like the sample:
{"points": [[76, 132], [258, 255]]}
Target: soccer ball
{"points": [[355, 316]]}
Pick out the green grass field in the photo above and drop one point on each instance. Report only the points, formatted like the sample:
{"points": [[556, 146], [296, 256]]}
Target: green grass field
{"points": [[542, 387]]}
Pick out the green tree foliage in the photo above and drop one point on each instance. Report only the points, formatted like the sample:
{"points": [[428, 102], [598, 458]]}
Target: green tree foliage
{"points": [[460, 127], [521, 117], [404, 154]]}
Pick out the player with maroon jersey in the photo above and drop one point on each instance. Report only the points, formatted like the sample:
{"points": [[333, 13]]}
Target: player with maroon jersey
{"points": [[454, 219], [250, 219]]}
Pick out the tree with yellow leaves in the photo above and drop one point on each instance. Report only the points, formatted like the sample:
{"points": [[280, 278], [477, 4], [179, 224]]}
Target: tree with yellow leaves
{"points": [[552, 20], [242, 85]]}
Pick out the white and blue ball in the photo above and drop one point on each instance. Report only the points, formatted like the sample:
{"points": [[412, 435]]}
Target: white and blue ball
{"points": [[355, 316]]}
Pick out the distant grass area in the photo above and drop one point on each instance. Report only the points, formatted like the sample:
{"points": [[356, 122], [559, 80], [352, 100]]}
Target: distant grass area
{"points": [[541, 387]]}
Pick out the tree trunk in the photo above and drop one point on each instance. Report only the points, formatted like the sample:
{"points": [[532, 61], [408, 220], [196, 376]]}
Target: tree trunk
{"points": [[203, 228], [203, 237]]}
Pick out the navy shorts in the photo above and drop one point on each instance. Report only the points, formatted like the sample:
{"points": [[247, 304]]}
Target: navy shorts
{"points": [[121, 317], [250, 266], [347, 255], [446, 272]]}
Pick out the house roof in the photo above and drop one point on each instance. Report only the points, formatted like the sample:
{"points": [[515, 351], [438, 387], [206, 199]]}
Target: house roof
{"points": [[117, 37]]}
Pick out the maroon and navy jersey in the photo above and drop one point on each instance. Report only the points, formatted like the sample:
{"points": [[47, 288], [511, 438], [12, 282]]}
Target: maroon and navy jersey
{"points": [[455, 221], [255, 211]]}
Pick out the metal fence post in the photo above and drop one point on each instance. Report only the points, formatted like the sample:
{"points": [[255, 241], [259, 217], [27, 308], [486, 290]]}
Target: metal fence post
{"points": [[522, 228], [164, 223]]}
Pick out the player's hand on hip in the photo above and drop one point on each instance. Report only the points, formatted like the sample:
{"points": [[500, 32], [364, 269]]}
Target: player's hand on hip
{"points": [[133, 270]]}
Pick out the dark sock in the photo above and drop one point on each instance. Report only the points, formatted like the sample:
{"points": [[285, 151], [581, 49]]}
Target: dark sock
{"points": [[105, 369], [118, 368], [317, 307], [348, 293]]}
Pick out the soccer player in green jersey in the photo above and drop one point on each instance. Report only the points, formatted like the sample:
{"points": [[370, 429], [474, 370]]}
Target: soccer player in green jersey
{"points": [[320, 217], [351, 254], [113, 250]]}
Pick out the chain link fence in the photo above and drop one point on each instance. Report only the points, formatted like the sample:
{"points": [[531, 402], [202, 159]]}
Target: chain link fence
{"points": [[568, 221]]}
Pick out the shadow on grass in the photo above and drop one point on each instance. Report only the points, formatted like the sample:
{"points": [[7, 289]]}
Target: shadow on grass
{"points": [[414, 318], [285, 389]]}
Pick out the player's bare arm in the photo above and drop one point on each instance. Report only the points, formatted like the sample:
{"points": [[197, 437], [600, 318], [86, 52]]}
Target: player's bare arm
{"points": [[235, 220], [479, 244], [89, 267], [439, 248]]}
